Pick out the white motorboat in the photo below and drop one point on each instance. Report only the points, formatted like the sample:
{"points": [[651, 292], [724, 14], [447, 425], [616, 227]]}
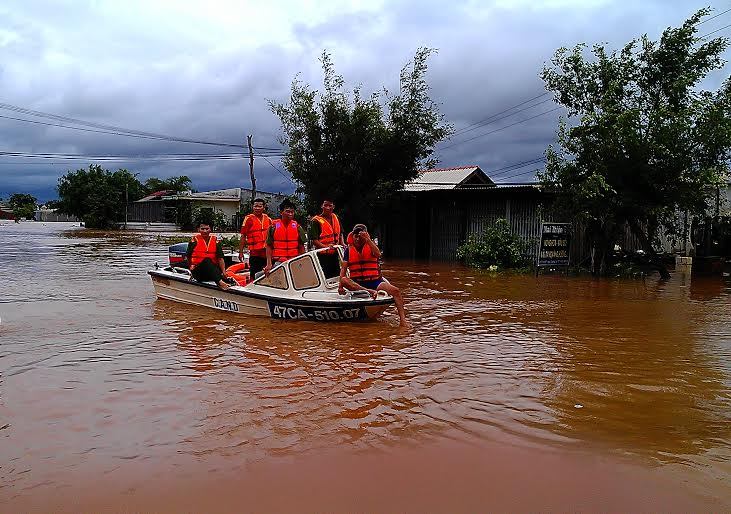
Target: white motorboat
{"points": [[296, 289]]}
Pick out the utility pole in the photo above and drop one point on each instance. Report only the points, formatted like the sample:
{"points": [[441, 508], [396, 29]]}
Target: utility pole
{"points": [[251, 169], [126, 203]]}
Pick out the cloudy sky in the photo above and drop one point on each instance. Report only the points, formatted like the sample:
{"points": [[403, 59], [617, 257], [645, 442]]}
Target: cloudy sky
{"points": [[205, 70]]}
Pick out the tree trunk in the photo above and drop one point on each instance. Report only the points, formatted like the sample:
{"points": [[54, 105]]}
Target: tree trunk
{"points": [[649, 250], [603, 237]]}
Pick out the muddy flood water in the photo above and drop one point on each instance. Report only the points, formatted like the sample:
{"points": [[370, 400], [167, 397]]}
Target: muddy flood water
{"points": [[510, 393]]}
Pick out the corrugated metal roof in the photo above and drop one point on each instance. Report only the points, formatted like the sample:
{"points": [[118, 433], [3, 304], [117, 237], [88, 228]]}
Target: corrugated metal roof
{"points": [[221, 195], [444, 178]]}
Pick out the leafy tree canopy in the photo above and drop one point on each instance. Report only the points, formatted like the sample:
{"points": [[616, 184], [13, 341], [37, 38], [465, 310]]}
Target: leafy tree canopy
{"points": [[23, 205], [648, 140], [97, 195], [174, 184], [359, 150]]}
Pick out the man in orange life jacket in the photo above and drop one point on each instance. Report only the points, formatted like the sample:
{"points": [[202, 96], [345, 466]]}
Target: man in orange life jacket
{"points": [[205, 257], [361, 258], [286, 239], [325, 232], [254, 232]]}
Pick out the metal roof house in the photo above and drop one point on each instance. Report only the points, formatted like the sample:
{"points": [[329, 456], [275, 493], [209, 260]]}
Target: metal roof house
{"points": [[168, 207], [441, 207], [449, 178]]}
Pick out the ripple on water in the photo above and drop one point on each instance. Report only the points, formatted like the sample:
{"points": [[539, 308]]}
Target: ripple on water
{"points": [[95, 373]]}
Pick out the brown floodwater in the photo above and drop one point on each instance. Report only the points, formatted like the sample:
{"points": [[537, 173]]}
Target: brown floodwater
{"points": [[510, 393]]}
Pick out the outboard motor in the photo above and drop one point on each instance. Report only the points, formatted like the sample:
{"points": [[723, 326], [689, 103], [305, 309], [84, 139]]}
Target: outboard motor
{"points": [[176, 255]]}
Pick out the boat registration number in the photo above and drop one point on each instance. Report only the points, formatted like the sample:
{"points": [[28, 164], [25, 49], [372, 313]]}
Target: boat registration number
{"points": [[284, 311], [226, 305]]}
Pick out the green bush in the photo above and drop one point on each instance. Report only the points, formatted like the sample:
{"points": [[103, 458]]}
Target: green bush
{"points": [[495, 247], [230, 242], [214, 217]]}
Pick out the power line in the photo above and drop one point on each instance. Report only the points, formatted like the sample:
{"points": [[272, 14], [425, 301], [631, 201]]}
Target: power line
{"points": [[713, 32], [501, 128], [111, 129], [517, 165], [503, 117], [483, 122], [278, 170], [716, 16], [520, 174], [161, 157]]}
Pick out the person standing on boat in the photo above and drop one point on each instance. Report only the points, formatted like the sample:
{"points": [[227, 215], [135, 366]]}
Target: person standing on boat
{"points": [[205, 257], [361, 258], [286, 238], [325, 232], [254, 230]]}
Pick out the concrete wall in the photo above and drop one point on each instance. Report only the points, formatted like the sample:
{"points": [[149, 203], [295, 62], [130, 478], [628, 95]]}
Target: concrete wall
{"points": [[229, 208], [50, 215]]}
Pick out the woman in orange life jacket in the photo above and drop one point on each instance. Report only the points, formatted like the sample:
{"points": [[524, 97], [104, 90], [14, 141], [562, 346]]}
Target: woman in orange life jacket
{"points": [[325, 232], [254, 230], [361, 258], [286, 239], [205, 257]]}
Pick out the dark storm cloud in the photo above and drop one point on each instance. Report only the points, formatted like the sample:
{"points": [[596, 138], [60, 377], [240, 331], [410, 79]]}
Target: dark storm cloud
{"points": [[186, 78]]}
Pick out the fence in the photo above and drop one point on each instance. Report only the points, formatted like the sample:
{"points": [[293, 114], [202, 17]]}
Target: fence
{"points": [[450, 216], [151, 212]]}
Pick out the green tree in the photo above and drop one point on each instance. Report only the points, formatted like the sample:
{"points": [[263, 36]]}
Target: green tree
{"points": [[174, 184], [359, 151], [648, 141], [216, 218], [97, 195], [23, 205]]}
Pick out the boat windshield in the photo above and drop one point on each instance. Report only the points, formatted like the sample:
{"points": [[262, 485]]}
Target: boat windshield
{"points": [[276, 279], [304, 275]]}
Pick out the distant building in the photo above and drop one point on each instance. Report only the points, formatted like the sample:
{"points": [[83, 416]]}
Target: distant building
{"points": [[6, 212], [167, 207], [227, 201], [441, 207], [51, 215], [272, 201]]}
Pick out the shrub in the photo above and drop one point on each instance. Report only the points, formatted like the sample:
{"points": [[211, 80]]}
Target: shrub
{"points": [[496, 246], [214, 217]]}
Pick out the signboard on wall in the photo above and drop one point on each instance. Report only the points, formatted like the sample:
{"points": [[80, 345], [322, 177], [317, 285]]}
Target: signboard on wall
{"points": [[554, 248]]}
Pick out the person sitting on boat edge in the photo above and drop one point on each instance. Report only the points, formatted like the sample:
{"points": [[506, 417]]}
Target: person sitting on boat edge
{"points": [[286, 238], [254, 230], [325, 232], [205, 257], [361, 258]]}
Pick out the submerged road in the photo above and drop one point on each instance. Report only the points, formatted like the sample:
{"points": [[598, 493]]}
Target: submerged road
{"points": [[510, 393]]}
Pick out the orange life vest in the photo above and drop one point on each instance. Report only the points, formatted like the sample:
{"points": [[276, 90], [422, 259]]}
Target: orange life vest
{"points": [[256, 236], [329, 234], [239, 272], [363, 265], [286, 240], [203, 249]]}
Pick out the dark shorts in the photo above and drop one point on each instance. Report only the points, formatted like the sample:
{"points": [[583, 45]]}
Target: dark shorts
{"points": [[370, 284], [207, 271]]}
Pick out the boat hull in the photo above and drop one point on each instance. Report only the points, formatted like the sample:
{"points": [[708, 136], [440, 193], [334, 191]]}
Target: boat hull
{"points": [[238, 300]]}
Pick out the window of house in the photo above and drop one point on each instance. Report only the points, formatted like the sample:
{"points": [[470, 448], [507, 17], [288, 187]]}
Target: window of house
{"points": [[276, 279], [304, 275]]}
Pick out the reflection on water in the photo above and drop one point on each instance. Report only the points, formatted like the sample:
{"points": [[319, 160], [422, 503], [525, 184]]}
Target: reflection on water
{"points": [[96, 376]]}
